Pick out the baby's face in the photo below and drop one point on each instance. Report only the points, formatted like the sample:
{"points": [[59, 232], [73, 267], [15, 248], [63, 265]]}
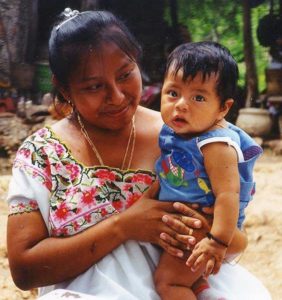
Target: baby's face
{"points": [[193, 106]]}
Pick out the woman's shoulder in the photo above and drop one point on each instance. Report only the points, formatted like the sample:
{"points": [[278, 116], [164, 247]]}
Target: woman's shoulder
{"points": [[40, 145], [60, 126], [150, 120], [148, 127], [38, 138], [65, 132]]}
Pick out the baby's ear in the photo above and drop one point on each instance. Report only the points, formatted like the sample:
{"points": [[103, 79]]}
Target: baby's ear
{"points": [[226, 106]]}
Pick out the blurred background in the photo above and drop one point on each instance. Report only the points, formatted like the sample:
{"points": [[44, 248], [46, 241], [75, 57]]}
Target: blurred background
{"points": [[251, 29]]}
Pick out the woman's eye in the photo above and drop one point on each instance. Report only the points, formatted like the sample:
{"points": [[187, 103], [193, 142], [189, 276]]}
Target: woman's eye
{"points": [[124, 76], [94, 87], [198, 98], [172, 93]]}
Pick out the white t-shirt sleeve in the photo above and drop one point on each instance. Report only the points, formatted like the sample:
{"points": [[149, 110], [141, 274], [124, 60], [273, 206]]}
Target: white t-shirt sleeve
{"points": [[226, 140]]}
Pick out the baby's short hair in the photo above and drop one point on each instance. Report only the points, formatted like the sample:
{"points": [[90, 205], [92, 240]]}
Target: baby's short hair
{"points": [[206, 58]]}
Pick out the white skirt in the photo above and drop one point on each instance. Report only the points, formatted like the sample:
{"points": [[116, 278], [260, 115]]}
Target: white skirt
{"points": [[127, 274]]}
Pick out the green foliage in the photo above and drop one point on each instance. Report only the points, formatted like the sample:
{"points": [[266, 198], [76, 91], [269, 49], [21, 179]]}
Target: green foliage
{"points": [[261, 53], [222, 21]]}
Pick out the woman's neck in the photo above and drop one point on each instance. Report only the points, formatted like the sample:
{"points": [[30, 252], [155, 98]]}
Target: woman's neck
{"points": [[100, 133]]}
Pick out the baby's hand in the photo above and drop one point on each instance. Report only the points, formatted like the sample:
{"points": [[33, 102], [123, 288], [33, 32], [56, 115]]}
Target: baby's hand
{"points": [[207, 252]]}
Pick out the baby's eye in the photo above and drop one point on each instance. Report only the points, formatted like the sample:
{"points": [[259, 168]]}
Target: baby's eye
{"points": [[172, 93], [198, 98]]}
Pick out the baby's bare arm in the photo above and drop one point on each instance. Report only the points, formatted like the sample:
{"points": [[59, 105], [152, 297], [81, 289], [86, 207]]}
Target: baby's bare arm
{"points": [[222, 167]]}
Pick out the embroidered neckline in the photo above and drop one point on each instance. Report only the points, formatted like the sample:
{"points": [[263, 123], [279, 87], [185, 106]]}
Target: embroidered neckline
{"points": [[54, 136]]}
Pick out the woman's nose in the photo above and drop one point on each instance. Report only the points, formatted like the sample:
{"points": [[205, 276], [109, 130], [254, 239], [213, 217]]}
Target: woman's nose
{"points": [[115, 95]]}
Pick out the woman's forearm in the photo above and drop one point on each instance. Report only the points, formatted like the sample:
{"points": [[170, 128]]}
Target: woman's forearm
{"points": [[39, 260], [51, 260]]}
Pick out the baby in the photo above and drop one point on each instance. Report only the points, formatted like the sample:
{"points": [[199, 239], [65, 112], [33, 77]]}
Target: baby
{"points": [[204, 160]]}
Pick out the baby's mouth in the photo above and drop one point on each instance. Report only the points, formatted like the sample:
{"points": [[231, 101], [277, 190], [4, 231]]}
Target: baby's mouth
{"points": [[178, 121]]}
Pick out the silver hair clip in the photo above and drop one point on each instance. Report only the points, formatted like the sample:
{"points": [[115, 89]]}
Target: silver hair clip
{"points": [[69, 14]]}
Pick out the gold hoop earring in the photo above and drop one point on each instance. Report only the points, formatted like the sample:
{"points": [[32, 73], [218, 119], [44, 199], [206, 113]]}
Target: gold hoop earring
{"points": [[72, 107]]}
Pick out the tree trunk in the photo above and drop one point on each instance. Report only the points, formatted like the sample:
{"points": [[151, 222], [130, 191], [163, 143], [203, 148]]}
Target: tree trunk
{"points": [[5, 71], [251, 72]]}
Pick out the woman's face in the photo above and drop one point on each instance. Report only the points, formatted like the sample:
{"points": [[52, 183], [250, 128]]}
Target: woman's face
{"points": [[107, 88]]}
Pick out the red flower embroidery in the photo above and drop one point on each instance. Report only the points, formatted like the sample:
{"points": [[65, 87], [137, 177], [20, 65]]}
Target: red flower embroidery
{"points": [[105, 174], [21, 205], [48, 184], [34, 174], [58, 167], [126, 187], [87, 218], [142, 178], [78, 210], [88, 196], [62, 212], [33, 204], [73, 170], [117, 205], [63, 231], [132, 199], [60, 231], [75, 226], [25, 152], [104, 212], [59, 149], [41, 132]]}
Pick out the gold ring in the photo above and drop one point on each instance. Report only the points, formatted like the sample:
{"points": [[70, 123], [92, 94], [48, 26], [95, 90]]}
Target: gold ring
{"points": [[190, 231]]}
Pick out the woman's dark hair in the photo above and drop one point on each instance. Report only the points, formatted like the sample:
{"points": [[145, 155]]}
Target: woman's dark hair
{"points": [[75, 36], [206, 58]]}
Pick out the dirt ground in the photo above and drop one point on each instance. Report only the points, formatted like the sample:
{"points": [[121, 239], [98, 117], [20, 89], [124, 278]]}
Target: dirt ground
{"points": [[264, 226]]}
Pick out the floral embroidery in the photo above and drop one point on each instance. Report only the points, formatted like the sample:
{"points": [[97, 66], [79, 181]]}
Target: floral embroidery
{"points": [[79, 196], [73, 171], [117, 204], [59, 149], [127, 187], [132, 199], [21, 207], [62, 211], [105, 174], [88, 196], [142, 178]]}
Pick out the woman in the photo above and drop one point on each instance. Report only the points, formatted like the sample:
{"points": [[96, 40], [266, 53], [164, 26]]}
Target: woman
{"points": [[80, 179]]}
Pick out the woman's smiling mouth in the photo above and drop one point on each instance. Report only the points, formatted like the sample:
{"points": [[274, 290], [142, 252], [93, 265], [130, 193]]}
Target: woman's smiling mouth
{"points": [[116, 112]]}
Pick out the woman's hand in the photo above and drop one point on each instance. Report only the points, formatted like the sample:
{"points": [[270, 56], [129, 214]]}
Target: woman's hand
{"points": [[143, 222], [187, 217], [205, 215], [169, 225]]}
